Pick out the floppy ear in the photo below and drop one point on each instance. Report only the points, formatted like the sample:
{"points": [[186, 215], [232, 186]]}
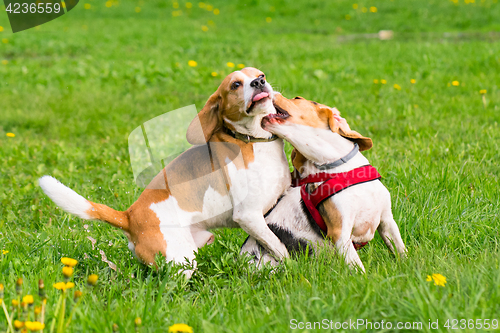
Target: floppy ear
{"points": [[339, 125], [205, 123], [298, 161]]}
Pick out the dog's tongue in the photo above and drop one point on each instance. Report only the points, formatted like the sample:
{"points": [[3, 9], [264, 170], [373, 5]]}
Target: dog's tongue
{"points": [[260, 96]]}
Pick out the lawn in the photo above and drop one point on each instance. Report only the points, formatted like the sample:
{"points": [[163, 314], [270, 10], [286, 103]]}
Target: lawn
{"points": [[72, 90]]}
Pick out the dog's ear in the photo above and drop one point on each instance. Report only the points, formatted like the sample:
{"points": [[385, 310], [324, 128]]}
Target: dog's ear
{"points": [[206, 122], [298, 161], [339, 125]]}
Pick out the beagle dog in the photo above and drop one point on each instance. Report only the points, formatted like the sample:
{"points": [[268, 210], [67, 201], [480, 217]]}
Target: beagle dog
{"points": [[231, 177], [336, 185]]}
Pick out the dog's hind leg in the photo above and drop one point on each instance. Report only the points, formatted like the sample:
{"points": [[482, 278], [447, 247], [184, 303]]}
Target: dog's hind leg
{"points": [[389, 231]]}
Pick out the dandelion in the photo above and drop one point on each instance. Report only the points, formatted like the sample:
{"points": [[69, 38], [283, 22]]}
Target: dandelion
{"points": [[214, 74], [230, 64], [92, 279], [348, 17], [5, 62], [1, 292], [109, 4], [180, 328], [69, 261], [364, 9], [137, 9], [241, 66], [115, 327], [201, 4], [15, 302], [269, 19], [5, 251], [1, 28], [216, 11], [483, 96], [373, 9], [28, 299], [63, 285], [210, 22], [455, 83], [209, 8], [34, 326], [175, 5], [383, 81], [397, 86], [38, 310], [439, 280], [87, 6], [19, 286], [41, 289], [355, 6], [18, 324], [192, 63], [204, 28], [189, 5], [413, 81], [138, 322], [375, 81], [67, 271], [482, 92], [5, 40]]}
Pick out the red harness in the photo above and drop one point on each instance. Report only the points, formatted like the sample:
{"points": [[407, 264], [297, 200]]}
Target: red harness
{"points": [[332, 184]]}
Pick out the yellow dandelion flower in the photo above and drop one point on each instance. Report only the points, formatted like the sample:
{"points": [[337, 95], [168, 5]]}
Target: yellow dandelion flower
{"points": [[397, 86], [109, 4], [18, 324], [189, 5], [15, 302], [439, 280], [69, 285], [230, 64], [383, 81], [455, 83], [63, 286], [354, 6], [137, 9], [28, 299], [69, 261], [214, 74], [34, 326], [210, 22], [5, 62], [482, 92], [180, 328], [209, 8], [87, 6], [67, 271], [38, 309], [5, 251], [175, 5], [375, 81], [348, 17], [192, 63], [216, 11], [138, 321], [373, 9], [5, 40], [92, 279], [1, 28], [241, 66], [204, 28], [413, 81], [77, 294], [269, 19], [201, 4], [364, 9]]}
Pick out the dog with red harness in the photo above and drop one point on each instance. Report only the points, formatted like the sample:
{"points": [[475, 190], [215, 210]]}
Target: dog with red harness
{"points": [[336, 193]]}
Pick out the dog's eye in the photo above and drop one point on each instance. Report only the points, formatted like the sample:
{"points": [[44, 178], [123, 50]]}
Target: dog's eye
{"points": [[235, 85]]}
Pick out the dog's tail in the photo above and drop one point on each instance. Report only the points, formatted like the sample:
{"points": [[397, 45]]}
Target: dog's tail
{"points": [[75, 204]]}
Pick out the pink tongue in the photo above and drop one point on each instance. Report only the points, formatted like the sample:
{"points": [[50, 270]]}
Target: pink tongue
{"points": [[260, 96]]}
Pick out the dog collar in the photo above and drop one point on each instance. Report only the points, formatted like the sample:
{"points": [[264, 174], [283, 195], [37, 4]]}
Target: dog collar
{"points": [[340, 161], [332, 183], [248, 138]]}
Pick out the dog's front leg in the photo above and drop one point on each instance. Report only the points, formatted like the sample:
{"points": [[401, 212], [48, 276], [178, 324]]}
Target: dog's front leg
{"points": [[255, 225], [346, 249]]}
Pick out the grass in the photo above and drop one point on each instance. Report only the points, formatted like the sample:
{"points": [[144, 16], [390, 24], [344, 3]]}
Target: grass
{"points": [[72, 91]]}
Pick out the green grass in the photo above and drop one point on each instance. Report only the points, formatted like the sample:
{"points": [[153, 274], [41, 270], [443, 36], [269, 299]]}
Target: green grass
{"points": [[74, 89]]}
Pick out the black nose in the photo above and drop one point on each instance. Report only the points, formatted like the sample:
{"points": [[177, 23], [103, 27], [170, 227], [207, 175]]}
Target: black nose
{"points": [[258, 83]]}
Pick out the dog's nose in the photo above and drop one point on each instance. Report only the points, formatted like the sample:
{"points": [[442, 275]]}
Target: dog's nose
{"points": [[258, 83]]}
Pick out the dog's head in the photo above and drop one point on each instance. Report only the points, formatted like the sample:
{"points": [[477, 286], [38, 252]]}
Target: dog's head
{"points": [[241, 101], [308, 126]]}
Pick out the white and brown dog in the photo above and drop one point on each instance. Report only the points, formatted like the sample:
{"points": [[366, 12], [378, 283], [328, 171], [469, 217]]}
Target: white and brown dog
{"points": [[229, 182], [340, 192]]}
